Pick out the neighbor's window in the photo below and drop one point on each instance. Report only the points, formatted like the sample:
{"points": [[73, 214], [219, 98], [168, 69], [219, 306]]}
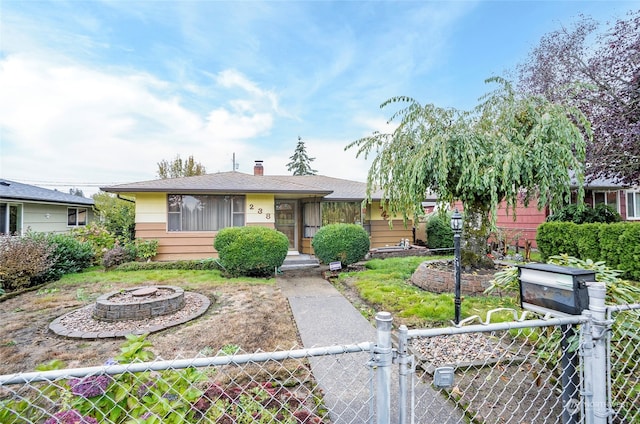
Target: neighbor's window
{"points": [[76, 217], [633, 204], [341, 213], [204, 213], [10, 218], [609, 198]]}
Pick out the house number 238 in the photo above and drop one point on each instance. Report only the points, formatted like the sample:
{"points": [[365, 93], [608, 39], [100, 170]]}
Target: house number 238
{"points": [[260, 211]]}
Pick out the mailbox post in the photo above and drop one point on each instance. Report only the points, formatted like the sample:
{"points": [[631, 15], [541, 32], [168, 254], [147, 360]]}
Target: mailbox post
{"points": [[559, 291]]}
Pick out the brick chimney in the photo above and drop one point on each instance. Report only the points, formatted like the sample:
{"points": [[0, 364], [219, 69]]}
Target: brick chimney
{"points": [[257, 168]]}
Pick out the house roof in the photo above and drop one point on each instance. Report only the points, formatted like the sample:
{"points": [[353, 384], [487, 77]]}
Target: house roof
{"points": [[12, 190], [238, 182], [597, 183]]}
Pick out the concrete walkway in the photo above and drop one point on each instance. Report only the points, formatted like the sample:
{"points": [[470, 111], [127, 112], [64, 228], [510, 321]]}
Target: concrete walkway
{"points": [[325, 318]]}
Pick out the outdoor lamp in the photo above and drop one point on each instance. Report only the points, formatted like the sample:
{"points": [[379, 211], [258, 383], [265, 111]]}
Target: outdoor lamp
{"points": [[456, 226], [456, 221]]}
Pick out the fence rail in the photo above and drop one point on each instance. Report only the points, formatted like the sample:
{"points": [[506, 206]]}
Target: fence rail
{"points": [[576, 369]]}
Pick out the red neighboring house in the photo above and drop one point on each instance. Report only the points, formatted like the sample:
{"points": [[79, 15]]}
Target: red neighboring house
{"points": [[625, 201]]}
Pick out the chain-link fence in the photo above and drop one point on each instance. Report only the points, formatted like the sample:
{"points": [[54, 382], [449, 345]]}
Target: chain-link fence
{"points": [[516, 372], [624, 364], [296, 386], [576, 369]]}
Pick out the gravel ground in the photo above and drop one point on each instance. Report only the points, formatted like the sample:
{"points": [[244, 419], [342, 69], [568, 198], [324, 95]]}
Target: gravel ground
{"points": [[81, 320], [460, 349]]}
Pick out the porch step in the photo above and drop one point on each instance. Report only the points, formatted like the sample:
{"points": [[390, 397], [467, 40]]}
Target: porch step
{"points": [[299, 262]]}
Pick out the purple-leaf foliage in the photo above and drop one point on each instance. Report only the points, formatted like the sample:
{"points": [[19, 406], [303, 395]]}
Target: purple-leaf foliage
{"points": [[598, 70]]}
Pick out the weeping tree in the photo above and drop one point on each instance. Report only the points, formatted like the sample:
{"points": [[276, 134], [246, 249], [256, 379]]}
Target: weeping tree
{"points": [[508, 149]]}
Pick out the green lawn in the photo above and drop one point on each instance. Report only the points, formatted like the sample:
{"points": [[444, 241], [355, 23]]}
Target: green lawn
{"points": [[383, 286]]}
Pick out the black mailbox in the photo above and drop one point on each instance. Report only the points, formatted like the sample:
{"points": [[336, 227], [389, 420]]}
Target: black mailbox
{"points": [[554, 289]]}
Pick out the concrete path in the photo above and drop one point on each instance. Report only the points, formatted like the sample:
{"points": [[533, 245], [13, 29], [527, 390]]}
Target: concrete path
{"points": [[325, 318]]}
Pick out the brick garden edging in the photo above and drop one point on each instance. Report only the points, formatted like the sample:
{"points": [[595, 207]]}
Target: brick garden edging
{"points": [[441, 280]]}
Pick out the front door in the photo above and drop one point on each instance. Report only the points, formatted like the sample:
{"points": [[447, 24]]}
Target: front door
{"points": [[286, 221]]}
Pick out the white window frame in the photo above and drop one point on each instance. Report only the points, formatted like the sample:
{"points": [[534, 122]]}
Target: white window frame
{"points": [[78, 212], [605, 193], [236, 218], [19, 217], [636, 205]]}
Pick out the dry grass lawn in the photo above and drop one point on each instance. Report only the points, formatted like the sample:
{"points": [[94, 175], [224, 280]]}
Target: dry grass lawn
{"points": [[251, 316]]}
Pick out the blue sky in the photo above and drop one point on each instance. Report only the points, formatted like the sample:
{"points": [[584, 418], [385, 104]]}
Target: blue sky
{"points": [[98, 92]]}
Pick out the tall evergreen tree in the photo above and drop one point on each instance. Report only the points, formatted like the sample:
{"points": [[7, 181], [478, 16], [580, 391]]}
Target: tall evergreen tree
{"points": [[301, 162], [179, 168]]}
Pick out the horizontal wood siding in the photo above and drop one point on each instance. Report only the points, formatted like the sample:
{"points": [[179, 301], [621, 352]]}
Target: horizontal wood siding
{"points": [[306, 247], [180, 245], [382, 235], [177, 245]]}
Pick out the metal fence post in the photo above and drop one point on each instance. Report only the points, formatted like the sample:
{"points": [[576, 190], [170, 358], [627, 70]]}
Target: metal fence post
{"points": [[384, 357], [586, 351], [403, 373], [599, 407]]}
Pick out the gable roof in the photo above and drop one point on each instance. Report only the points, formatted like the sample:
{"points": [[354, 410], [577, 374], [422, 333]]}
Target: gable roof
{"points": [[238, 182], [12, 190]]}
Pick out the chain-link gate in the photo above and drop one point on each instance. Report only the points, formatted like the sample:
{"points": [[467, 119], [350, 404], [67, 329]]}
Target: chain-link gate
{"points": [[576, 369]]}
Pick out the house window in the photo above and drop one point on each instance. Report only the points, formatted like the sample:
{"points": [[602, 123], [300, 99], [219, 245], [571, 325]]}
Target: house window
{"points": [[341, 213], [310, 219], [76, 217], [633, 204], [609, 198], [204, 213], [10, 219]]}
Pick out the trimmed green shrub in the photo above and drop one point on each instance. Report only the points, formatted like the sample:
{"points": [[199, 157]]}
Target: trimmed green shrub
{"points": [[70, 255], [197, 265], [586, 214], [347, 243], [610, 248], [251, 251], [587, 241], [629, 259], [22, 259], [617, 244], [439, 232], [142, 250], [554, 238]]}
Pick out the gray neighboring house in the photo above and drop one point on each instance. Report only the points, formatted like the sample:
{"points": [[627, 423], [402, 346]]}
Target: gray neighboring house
{"points": [[25, 207]]}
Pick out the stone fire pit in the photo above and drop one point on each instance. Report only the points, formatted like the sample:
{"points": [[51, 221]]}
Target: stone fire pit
{"points": [[139, 303], [139, 310]]}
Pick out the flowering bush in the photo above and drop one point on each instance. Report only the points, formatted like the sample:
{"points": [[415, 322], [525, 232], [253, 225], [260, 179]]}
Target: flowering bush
{"points": [[91, 386], [70, 417], [173, 396], [98, 236]]}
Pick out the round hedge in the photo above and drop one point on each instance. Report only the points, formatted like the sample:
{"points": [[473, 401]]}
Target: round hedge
{"points": [[251, 251], [439, 232], [347, 243]]}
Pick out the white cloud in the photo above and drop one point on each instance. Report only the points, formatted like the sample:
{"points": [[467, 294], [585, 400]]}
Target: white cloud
{"points": [[69, 122]]}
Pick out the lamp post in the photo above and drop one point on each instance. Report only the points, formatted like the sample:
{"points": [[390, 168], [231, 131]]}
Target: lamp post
{"points": [[456, 226]]}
